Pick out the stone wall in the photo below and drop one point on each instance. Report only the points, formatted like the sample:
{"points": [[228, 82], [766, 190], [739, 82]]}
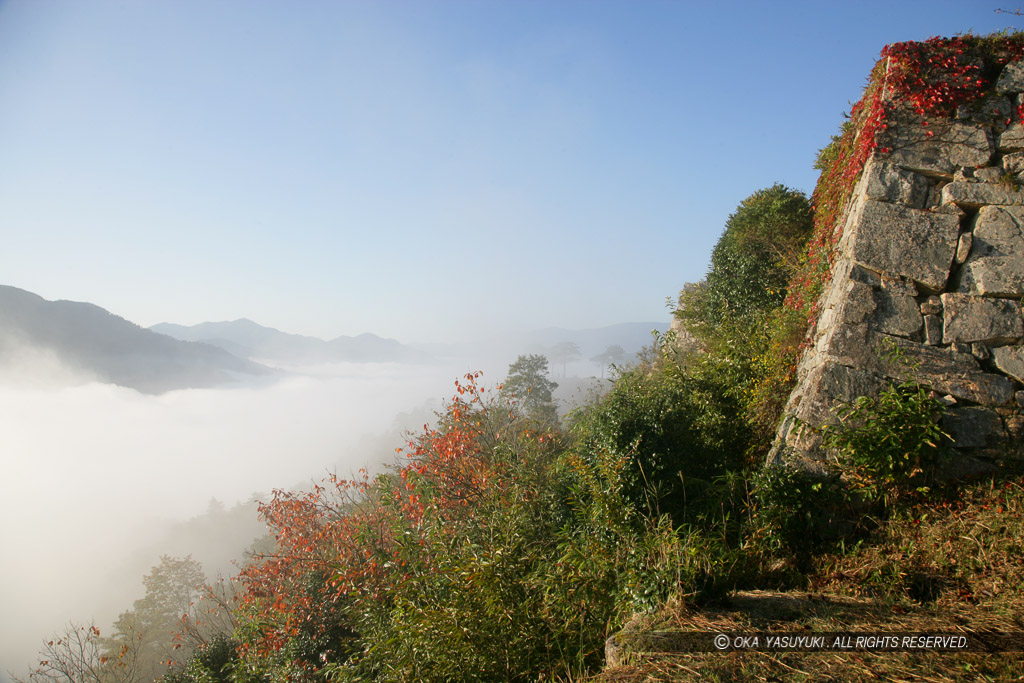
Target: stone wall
{"points": [[927, 283]]}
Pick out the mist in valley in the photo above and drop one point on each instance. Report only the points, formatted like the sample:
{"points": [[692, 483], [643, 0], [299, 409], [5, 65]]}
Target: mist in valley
{"points": [[100, 480]]}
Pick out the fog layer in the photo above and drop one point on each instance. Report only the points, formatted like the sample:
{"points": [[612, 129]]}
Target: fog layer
{"points": [[90, 471]]}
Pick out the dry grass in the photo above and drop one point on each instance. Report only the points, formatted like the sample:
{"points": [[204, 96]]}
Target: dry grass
{"points": [[941, 567]]}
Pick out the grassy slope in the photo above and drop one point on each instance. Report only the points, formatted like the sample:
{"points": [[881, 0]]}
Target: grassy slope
{"points": [[939, 567]]}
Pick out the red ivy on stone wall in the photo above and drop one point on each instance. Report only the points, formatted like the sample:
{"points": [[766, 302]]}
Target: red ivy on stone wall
{"points": [[934, 79]]}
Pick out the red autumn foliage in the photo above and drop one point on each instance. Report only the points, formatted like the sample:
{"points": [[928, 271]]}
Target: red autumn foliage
{"points": [[933, 78], [345, 541]]}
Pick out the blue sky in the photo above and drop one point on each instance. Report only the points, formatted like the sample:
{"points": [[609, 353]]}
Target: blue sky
{"points": [[429, 171]]}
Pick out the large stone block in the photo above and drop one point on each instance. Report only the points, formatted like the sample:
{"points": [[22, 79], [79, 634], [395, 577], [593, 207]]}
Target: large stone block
{"points": [[985, 388], [995, 266], [858, 303], [1012, 139], [968, 319], [1010, 359], [943, 369], [831, 385], [965, 467], [845, 384], [890, 183], [994, 275], [973, 195], [896, 313], [973, 427], [915, 244], [997, 229], [938, 148], [993, 111], [848, 302], [1011, 79]]}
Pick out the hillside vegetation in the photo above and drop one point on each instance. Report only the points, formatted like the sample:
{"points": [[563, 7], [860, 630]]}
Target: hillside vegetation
{"points": [[506, 545]]}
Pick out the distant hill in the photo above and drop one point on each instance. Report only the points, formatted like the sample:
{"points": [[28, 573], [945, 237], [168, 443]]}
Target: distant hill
{"points": [[250, 340], [632, 337], [92, 343]]}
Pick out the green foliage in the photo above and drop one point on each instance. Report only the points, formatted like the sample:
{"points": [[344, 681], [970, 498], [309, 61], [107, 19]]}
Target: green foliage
{"points": [[528, 385], [496, 553], [752, 261], [460, 566], [773, 373], [775, 220], [214, 662], [890, 445], [749, 340], [829, 154], [800, 512], [152, 629], [673, 434], [742, 281]]}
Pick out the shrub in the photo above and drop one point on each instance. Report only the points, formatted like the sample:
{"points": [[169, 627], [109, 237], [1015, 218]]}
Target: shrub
{"points": [[749, 341], [888, 446], [800, 512], [672, 432], [211, 663], [490, 554], [754, 258]]}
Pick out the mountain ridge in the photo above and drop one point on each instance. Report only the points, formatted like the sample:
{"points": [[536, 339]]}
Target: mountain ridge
{"points": [[80, 341], [94, 343], [254, 341]]}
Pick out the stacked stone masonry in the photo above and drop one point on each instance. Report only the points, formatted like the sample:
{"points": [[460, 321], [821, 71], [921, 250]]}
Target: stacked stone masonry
{"points": [[927, 284]]}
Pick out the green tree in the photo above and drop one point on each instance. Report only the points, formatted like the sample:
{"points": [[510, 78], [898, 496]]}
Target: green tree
{"points": [[610, 356], [751, 264], [736, 314], [564, 353], [152, 630], [528, 384]]}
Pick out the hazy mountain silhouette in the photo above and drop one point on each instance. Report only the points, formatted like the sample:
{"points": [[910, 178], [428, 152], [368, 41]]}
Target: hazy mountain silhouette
{"points": [[250, 340], [632, 337], [94, 343]]}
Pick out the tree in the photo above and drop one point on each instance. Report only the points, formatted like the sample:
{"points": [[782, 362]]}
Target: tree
{"points": [[564, 353], [161, 628], [78, 656], [610, 356], [399, 578], [751, 264], [178, 616], [528, 384]]}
